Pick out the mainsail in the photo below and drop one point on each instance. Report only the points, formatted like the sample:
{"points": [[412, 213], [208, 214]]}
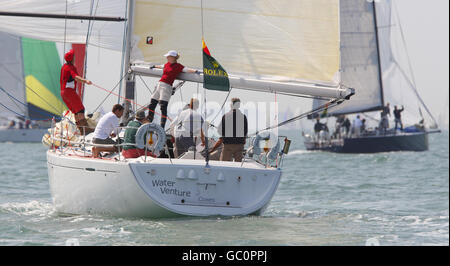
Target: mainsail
{"points": [[268, 45], [360, 64], [103, 33]]}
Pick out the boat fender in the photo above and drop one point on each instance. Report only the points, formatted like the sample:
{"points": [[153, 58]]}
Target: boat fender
{"points": [[151, 127]]}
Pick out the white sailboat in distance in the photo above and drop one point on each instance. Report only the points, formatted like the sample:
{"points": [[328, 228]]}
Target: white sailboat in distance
{"points": [[272, 46]]}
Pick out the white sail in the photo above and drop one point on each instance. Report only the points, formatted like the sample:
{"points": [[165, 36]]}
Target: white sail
{"points": [[271, 41], [360, 65], [104, 34], [398, 76], [12, 85]]}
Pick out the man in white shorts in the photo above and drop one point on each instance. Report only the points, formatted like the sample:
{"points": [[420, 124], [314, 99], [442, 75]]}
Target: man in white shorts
{"points": [[164, 87]]}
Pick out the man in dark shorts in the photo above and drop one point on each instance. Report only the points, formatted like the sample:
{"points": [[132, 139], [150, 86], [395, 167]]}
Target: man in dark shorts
{"points": [[68, 81], [398, 117]]}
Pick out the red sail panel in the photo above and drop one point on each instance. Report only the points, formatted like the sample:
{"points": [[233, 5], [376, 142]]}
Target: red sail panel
{"points": [[80, 53]]}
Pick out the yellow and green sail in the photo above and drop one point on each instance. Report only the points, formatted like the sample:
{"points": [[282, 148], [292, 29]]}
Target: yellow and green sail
{"points": [[42, 66]]}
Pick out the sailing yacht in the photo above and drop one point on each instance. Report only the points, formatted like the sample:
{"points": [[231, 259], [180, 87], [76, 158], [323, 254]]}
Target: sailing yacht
{"points": [[29, 88], [271, 46], [373, 59]]}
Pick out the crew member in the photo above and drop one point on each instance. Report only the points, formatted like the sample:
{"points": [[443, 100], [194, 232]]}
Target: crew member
{"points": [[318, 126], [347, 126], [357, 124], [384, 122], [107, 127], [164, 88], [398, 117], [188, 127], [234, 130], [68, 81], [339, 124], [363, 126], [130, 151]]}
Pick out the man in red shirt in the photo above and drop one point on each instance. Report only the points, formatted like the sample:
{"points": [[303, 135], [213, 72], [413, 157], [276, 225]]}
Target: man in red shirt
{"points": [[68, 81], [164, 87]]}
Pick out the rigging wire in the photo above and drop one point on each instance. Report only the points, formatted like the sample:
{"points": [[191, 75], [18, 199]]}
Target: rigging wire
{"points": [[110, 92], [145, 84], [28, 87], [414, 87], [65, 28], [221, 108], [181, 96], [14, 100], [204, 92], [328, 105], [129, 100], [23, 116], [12, 111], [88, 35]]}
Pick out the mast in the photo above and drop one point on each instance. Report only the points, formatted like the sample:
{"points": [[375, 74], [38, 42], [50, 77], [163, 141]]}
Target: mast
{"points": [[378, 52], [129, 80]]}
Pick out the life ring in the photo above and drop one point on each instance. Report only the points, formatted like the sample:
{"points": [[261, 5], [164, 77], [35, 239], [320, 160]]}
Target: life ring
{"points": [[272, 154], [151, 127]]}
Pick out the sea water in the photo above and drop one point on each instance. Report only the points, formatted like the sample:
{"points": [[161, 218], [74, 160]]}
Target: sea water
{"points": [[398, 198]]}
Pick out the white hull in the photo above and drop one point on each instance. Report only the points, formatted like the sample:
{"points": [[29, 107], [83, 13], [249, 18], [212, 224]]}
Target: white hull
{"points": [[158, 188], [22, 135]]}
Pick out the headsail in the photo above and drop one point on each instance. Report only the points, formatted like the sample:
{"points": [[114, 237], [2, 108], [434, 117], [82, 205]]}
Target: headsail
{"points": [[29, 74], [42, 66], [270, 43], [398, 76]]}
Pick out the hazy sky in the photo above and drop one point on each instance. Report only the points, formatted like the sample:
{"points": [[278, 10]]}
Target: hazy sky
{"points": [[426, 27]]}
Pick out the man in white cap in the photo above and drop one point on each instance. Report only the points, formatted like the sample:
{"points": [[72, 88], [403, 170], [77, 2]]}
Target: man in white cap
{"points": [[164, 88]]}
